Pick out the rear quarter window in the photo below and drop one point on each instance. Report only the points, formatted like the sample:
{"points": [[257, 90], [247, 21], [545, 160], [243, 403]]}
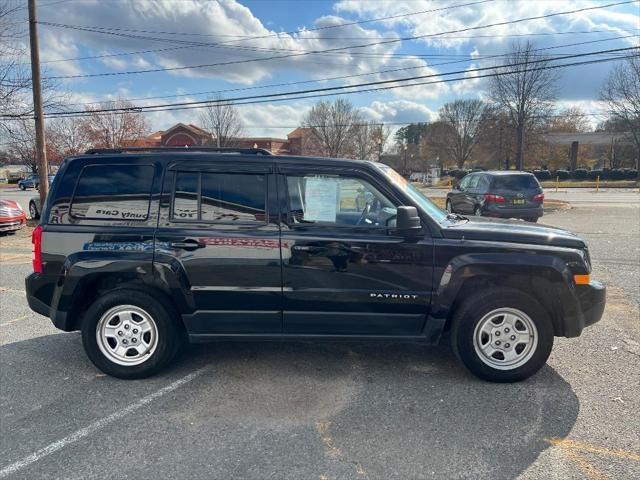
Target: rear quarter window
{"points": [[113, 192], [515, 182]]}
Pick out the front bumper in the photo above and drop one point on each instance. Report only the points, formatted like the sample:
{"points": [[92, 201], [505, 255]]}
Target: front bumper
{"points": [[590, 303], [12, 225]]}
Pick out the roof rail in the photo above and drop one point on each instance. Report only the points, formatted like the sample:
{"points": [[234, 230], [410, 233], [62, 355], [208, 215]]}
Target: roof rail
{"points": [[242, 151]]}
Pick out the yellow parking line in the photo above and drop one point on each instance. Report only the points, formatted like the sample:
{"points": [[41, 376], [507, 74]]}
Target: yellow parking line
{"points": [[573, 445], [10, 322], [591, 472]]}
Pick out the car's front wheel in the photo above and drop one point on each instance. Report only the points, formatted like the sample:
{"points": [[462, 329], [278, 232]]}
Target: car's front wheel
{"points": [[502, 335], [22, 187], [477, 211], [449, 207], [33, 211], [130, 334], [531, 219]]}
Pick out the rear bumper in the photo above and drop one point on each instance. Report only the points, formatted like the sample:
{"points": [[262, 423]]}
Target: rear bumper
{"points": [[38, 288], [503, 212], [591, 300]]}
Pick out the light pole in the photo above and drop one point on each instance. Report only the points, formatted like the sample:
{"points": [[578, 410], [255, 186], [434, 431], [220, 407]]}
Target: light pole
{"points": [[404, 169]]}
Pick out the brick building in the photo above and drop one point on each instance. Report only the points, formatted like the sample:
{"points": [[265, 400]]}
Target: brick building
{"points": [[298, 142]]}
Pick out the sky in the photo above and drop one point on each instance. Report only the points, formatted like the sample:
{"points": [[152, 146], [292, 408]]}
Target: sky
{"points": [[243, 37]]}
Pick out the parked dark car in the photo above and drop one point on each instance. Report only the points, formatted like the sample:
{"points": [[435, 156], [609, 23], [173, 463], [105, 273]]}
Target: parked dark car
{"points": [[12, 216], [32, 181], [498, 194], [142, 248]]}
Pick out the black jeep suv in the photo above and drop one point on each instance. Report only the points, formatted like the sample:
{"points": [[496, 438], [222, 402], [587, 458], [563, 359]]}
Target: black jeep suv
{"points": [[142, 249]]}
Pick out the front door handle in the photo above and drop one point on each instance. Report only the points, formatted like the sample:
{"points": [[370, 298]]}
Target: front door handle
{"points": [[187, 244]]}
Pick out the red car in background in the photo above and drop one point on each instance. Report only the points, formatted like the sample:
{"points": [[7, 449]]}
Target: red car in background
{"points": [[12, 216]]}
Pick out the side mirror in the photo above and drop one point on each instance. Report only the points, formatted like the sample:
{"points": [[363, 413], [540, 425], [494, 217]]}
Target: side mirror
{"points": [[407, 220]]}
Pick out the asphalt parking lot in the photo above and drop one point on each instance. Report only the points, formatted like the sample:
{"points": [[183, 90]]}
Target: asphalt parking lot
{"points": [[331, 411]]}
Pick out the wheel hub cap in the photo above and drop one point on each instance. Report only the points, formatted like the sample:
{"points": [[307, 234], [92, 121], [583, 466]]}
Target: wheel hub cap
{"points": [[127, 335], [505, 338]]}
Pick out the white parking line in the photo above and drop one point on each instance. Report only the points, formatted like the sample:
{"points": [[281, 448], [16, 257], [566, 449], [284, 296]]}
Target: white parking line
{"points": [[95, 426]]}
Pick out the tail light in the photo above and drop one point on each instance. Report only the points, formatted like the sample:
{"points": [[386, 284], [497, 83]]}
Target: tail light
{"points": [[539, 197], [493, 198], [36, 239]]}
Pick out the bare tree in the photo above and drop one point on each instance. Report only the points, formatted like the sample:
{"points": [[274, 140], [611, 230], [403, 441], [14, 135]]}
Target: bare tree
{"points": [[524, 90], [369, 139], [465, 120], [621, 92], [570, 120], [223, 122], [114, 129], [67, 136], [331, 124], [15, 79]]}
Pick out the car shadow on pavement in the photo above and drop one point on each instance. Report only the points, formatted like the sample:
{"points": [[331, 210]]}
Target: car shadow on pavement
{"points": [[389, 410]]}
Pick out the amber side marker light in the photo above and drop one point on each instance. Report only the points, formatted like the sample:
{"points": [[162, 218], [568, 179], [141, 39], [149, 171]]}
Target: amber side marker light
{"points": [[581, 279]]}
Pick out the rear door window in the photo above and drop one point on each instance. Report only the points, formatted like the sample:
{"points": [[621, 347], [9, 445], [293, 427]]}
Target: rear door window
{"points": [[216, 197], [515, 182], [113, 192]]}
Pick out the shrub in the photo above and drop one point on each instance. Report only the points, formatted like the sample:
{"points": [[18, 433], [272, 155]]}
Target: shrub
{"points": [[561, 174], [542, 175], [458, 173], [594, 174], [632, 174], [580, 174], [616, 174]]}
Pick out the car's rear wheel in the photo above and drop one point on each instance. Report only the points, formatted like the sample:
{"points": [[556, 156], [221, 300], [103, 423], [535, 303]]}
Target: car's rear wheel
{"points": [[22, 187], [449, 207], [477, 211], [531, 219], [33, 211], [502, 335], [130, 334]]}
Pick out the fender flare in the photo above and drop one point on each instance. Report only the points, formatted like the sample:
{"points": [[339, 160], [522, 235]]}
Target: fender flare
{"points": [[546, 273]]}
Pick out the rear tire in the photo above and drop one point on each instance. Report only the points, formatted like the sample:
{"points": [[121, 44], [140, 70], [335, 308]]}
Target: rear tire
{"points": [[22, 187], [131, 334], [531, 219], [502, 335], [477, 211]]}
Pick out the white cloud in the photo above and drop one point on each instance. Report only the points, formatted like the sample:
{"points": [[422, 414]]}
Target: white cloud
{"points": [[57, 47], [398, 111], [221, 24]]}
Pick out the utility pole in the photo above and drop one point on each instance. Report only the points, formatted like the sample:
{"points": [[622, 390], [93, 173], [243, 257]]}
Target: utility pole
{"points": [[41, 153]]}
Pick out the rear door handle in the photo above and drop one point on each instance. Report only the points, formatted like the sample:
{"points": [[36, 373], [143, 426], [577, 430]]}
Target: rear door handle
{"points": [[187, 244]]}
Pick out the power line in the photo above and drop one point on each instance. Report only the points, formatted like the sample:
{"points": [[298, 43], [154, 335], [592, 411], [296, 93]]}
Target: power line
{"points": [[336, 49], [293, 32], [342, 77], [321, 92], [511, 35]]}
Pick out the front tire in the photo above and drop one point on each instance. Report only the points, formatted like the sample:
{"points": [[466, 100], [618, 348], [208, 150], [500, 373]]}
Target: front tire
{"points": [[33, 211], [531, 219], [22, 187], [502, 335], [449, 207], [477, 211], [131, 334]]}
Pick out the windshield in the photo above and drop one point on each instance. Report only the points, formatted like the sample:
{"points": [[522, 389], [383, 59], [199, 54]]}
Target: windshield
{"points": [[515, 182], [416, 195]]}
